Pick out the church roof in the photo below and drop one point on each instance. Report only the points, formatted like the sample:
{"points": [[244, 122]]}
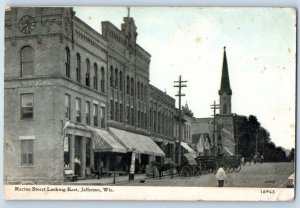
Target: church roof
{"points": [[225, 83]]}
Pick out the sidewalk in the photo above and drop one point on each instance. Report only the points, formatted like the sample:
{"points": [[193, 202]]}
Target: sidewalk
{"points": [[107, 180]]}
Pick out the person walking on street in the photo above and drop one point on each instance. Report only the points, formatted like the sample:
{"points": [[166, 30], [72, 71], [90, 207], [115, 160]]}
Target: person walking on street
{"points": [[221, 175]]}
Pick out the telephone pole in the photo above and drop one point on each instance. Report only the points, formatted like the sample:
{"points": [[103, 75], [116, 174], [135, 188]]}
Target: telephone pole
{"points": [[180, 85], [215, 107]]}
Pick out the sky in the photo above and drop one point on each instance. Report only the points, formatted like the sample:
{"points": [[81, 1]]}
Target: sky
{"points": [[261, 55]]}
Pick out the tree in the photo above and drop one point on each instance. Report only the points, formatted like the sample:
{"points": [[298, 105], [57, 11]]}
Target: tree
{"points": [[247, 130], [291, 156]]}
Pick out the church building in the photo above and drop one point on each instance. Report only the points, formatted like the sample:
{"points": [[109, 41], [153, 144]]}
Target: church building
{"points": [[221, 133]]}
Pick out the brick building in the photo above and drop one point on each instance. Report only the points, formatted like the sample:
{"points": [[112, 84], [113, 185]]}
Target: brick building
{"points": [[75, 98]]}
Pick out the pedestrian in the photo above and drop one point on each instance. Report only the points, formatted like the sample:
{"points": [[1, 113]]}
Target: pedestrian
{"points": [[221, 175], [243, 161], [261, 159], [132, 166]]}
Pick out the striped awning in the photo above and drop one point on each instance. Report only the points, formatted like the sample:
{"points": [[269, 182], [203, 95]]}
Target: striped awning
{"points": [[228, 151], [187, 147], [140, 143], [103, 141]]}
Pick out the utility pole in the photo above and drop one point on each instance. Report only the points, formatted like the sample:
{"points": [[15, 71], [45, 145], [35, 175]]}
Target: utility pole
{"points": [[180, 85], [215, 107]]}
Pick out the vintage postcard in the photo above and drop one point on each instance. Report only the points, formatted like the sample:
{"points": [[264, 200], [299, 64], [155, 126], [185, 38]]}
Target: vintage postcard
{"points": [[149, 103]]}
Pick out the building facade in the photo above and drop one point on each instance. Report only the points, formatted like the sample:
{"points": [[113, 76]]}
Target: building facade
{"points": [[162, 121], [75, 98]]}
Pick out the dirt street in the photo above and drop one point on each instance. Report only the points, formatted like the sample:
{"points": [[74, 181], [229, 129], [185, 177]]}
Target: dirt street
{"points": [[258, 175]]}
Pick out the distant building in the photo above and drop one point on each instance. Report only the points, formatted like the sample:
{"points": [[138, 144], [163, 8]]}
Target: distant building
{"points": [[202, 144]]}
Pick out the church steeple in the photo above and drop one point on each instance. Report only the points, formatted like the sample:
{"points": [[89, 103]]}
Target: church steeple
{"points": [[225, 83], [225, 91]]}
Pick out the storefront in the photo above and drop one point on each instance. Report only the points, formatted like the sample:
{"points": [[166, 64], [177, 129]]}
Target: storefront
{"points": [[187, 149], [107, 150], [145, 148]]}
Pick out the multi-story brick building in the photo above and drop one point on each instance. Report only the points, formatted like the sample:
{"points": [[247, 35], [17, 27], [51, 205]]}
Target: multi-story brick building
{"points": [[74, 96], [162, 124]]}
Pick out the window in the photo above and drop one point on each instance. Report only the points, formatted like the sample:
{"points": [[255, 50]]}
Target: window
{"points": [[78, 110], [87, 75], [139, 118], [132, 86], [27, 106], [224, 109], [67, 107], [128, 85], [27, 64], [121, 81], [128, 115], [87, 113], [142, 93], [111, 109], [151, 117], [111, 79], [68, 72], [102, 117], [155, 121], [67, 151], [121, 112], [132, 116], [78, 68], [27, 149], [158, 121], [116, 111], [138, 90], [95, 114], [102, 80], [95, 76], [116, 78]]}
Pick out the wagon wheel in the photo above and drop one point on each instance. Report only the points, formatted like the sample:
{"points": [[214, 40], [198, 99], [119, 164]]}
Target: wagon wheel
{"points": [[196, 170], [186, 171], [230, 167], [238, 168]]}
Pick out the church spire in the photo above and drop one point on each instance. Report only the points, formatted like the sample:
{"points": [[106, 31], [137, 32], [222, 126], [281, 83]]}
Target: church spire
{"points": [[225, 83]]}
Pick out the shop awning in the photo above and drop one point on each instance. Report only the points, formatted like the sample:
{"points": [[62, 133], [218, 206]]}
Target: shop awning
{"points": [[190, 157], [141, 143], [228, 151], [156, 139], [103, 141], [187, 147]]}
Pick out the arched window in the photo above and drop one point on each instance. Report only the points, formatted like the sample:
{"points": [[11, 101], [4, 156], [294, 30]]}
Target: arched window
{"points": [[128, 85], [27, 64], [87, 75], [111, 80], [116, 78], [95, 76], [121, 81], [138, 90], [132, 86], [224, 109], [78, 68], [102, 80], [68, 61]]}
